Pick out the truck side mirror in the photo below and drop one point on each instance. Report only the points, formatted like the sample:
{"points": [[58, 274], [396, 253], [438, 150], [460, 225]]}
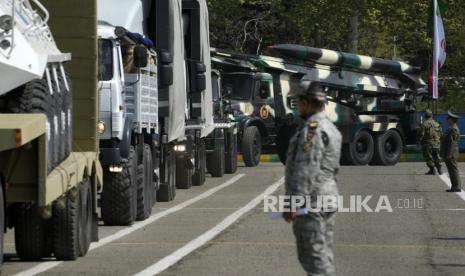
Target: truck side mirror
{"points": [[165, 68], [140, 57]]}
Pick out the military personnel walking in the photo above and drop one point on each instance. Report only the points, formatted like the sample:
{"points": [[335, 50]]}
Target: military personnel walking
{"points": [[311, 167], [450, 151], [430, 139]]}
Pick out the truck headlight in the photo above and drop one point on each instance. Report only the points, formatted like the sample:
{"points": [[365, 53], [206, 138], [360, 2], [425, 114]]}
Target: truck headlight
{"points": [[100, 127], [180, 148]]}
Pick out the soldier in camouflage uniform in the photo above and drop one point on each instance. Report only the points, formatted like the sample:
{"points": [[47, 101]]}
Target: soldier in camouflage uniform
{"points": [[430, 139], [311, 168], [450, 152]]}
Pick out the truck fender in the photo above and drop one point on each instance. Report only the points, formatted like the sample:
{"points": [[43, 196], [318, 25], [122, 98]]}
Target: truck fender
{"points": [[254, 122], [125, 143]]}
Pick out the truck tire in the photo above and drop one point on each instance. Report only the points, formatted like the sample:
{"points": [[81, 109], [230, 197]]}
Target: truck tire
{"points": [[167, 191], [198, 179], [251, 146], [86, 216], [230, 164], [216, 159], [184, 173], [119, 195], [66, 227], [30, 233], [360, 151], [388, 148], [145, 186], [2, 222], [34, 97]]}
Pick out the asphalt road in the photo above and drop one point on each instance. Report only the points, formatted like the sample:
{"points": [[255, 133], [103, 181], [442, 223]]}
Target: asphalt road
{"points": [[220, 229]]}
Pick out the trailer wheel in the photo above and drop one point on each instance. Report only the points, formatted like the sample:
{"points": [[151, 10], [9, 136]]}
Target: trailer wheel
{"points": [[360, 151], [34, 97], [198, 178], [144, 185], [216, 159], [119, 194], [167, 191], [230, 164], [30, 233], [184, 173], [388, 148], [66, 227], [251, 146], [86, 217]]}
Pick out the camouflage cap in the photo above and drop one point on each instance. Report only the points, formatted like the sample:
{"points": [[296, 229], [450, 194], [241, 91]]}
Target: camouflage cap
{"points": [[312, 90], [428, 113]]}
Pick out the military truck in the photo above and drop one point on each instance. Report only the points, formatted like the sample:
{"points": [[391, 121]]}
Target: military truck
{"points": [[49, 168], [371, 100], [156, 114]]}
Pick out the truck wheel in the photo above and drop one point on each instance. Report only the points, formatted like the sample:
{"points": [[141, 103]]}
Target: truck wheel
{"points": [[119, 194], [167, 191], [86, 216], [66, 227], [388, 148], [360, 151], [144, 185], [184, 173], [2, 222], [198, 178], [230, 164], [251, 146], [285, 134], [30, 233], [34, 97], [216, 159]]}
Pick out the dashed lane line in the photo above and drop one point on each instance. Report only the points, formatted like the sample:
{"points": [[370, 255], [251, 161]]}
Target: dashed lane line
{"points": [[201, 240], [42, 267]]}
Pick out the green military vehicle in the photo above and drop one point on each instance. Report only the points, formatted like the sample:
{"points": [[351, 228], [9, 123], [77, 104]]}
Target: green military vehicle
{"points": [[372, 101], [49, 168]]}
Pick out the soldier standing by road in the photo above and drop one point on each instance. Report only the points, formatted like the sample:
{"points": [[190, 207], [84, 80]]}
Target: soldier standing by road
{"points": [[311, 168], [450, 151], [430, 139]]}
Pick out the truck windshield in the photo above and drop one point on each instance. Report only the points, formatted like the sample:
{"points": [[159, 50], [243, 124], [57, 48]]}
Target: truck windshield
{"points": [[105, 59], [238, 87]]}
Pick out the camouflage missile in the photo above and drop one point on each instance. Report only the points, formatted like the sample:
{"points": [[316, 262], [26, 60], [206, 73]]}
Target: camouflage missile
{"points": [[335, 58]]}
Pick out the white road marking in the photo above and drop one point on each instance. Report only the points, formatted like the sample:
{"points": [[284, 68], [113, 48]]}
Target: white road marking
{"points": [[201, 240], [136, 226], [446, 180]]}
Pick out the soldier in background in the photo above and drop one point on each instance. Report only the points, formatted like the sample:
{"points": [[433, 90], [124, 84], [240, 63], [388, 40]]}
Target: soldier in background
{"points": [[450, 151], [311, 167], [430, 139]]}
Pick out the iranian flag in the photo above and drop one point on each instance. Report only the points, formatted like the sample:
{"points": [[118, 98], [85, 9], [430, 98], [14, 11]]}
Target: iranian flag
{"points": [[439, 44]]}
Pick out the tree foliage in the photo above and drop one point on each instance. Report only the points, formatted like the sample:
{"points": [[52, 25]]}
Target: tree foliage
{"points": [[386, 28]]}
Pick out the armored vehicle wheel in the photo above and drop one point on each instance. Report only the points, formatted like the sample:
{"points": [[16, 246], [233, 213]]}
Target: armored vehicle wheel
{"points": [[360, 151], [66, 227], [120, 194], [230, 164], [198, 178], [30, 233], [251, 146], [34, 97], [145, 185], [216, 159], [388, 148], [85, 217], [184, 173], [167, 191]]}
